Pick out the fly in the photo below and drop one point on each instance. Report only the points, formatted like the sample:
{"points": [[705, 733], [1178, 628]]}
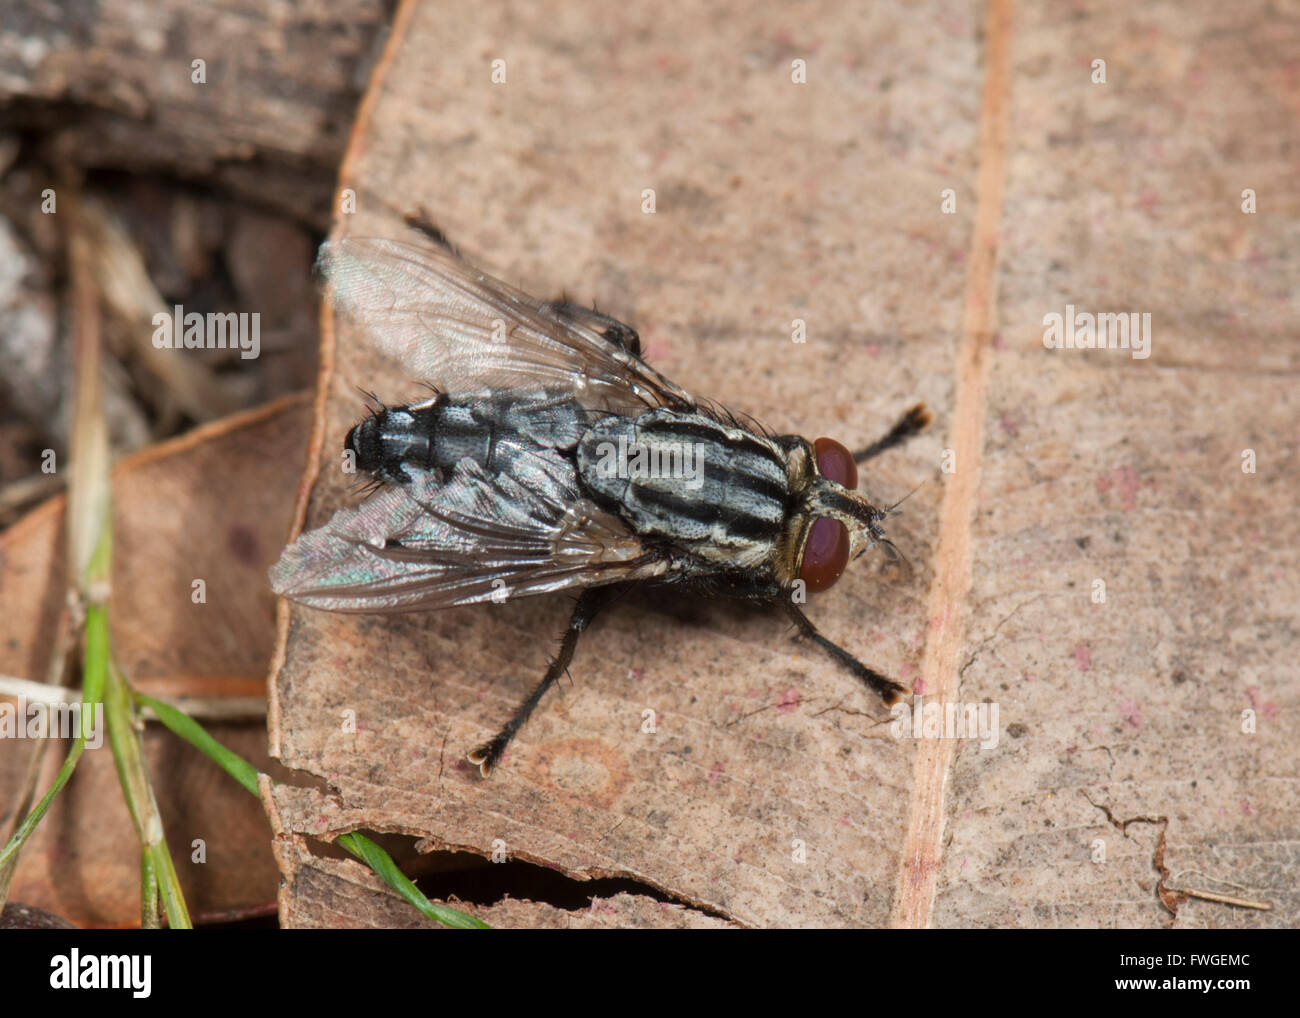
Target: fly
{"points": [[550, 456]]}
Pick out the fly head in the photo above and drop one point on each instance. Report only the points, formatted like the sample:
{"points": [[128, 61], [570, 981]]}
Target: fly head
{"points": [[833, 523]]}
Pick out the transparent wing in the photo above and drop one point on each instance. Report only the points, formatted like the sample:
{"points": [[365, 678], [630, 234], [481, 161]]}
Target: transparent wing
{"points": [[465, 332], [475, 538]]}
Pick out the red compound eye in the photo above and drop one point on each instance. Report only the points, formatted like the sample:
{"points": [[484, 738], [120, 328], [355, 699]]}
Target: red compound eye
{"points": [[835, 463], [825, 554]]}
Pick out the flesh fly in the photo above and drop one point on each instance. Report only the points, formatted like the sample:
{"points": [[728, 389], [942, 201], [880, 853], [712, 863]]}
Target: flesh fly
{"points": [[550, 456]]}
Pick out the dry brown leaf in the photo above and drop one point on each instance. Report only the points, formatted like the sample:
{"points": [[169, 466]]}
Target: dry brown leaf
{"points": [[823, 202], [213, 505]]}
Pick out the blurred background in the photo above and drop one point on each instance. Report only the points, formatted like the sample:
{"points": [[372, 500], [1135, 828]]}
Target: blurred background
{"points": [[213, 198], [164, 154]]}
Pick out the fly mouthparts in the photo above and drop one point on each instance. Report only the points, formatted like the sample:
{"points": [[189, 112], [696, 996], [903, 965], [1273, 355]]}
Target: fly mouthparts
{"points": [[828, 498]]}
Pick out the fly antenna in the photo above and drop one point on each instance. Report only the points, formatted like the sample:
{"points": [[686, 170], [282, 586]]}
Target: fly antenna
{"points": [[892, 508]]}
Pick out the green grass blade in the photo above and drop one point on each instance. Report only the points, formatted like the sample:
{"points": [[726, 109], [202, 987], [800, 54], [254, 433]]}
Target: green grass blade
{"points": [[150, 919], [382, 863], [358, 844], [188, 729], [96, 669], [133, 777]]}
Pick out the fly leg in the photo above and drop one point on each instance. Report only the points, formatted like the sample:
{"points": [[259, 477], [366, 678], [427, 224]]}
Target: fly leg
{"points": [[911, 423], [591, 601], [622, 336], [421, 221], [887, 689]]}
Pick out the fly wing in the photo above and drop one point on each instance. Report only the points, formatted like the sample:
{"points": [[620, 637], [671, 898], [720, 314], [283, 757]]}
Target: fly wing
{"points": [[475, 538], [465, 332]]}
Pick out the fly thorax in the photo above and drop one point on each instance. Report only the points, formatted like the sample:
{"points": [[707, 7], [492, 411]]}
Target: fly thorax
{"points": [[688, 479]]}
